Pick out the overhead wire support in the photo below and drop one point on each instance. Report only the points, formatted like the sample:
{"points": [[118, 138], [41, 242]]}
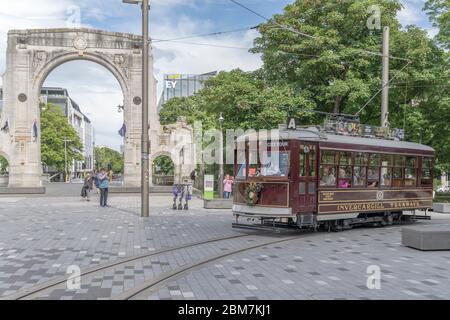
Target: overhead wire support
{"points": [[386, 84]]}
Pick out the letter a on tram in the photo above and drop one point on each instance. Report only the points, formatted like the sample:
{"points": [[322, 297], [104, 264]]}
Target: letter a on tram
{"points": [[292, 123]]}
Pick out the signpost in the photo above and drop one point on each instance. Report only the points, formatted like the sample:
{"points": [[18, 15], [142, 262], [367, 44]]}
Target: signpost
{"points": [[208, 187]]}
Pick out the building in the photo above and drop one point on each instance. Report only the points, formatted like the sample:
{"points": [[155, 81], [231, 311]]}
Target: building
{"points": [[79, 121], [182, 85]]}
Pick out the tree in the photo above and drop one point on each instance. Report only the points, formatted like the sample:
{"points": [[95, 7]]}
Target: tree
{"points": [[54, 130], [3, 164], [164, 165], [245, 101], [106, 157], [439, 13]]}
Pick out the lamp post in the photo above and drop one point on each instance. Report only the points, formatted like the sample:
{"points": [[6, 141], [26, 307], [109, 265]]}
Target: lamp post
{"points": [[145, 138], [221, 119]]}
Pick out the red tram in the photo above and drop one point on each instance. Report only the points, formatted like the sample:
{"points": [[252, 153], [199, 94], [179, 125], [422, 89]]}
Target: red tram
{"points": [[329, 180]]}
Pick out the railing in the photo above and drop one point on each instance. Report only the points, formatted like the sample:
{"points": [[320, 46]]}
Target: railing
{"points": [[162, 180]]}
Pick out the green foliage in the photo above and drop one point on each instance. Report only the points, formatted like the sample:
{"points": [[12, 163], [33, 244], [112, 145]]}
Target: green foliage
{"points": [[105, 156], [163, 165], [54, 130], [244, 100], [439, 13], [333, 72], [3, 164]]}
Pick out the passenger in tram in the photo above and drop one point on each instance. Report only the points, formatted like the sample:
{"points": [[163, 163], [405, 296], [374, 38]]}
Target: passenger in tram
{"points": [[344, 179], [372, 181], [328, 178]]}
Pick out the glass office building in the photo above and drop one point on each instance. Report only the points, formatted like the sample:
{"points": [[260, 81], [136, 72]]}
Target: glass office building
{"points": [[182, 85]]}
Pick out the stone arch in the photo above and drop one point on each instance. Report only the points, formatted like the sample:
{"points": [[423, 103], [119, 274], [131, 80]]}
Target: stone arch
{"points": [[42, 74], [33, 54], [162, 154]]}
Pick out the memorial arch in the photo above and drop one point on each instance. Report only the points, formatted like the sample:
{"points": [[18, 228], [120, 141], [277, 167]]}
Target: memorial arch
{"points": [[32, 55]]}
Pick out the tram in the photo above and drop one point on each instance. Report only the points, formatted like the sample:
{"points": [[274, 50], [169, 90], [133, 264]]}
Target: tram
{"points": [[326, 177]]}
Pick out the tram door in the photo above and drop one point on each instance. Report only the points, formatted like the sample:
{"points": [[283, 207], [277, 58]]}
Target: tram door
{"points": [[307, 178]]}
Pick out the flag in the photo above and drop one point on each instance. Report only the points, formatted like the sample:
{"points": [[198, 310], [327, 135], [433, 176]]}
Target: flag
{"points": [[35, 130], [5, 126], [123, 130]]}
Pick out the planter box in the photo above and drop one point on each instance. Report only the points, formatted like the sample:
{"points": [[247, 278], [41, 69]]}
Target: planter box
{"points": [[441, 207]]}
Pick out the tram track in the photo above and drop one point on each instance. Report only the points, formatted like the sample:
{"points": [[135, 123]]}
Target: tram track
{"points": [[37, 290], [152, 285]]}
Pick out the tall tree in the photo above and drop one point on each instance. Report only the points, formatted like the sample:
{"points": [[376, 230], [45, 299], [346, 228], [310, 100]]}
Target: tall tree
{"points": [[54, 130], [106, 157], [439, 13]]}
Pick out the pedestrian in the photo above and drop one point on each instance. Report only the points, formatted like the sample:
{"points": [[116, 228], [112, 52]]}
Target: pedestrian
{"points": [[104, 185], [87, 187], [227, 186], [96, 182]]}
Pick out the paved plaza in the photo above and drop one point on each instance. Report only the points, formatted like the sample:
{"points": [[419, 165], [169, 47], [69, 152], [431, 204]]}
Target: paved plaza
{"points": [[42, 236]]}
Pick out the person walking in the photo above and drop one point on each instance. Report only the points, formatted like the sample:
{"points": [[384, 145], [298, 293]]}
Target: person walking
{"points": [[87, 187], [96, 182], [104, 186], [227, 186]]}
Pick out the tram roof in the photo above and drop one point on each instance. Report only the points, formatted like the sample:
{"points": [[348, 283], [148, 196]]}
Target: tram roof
{"points": [[313, 134]]}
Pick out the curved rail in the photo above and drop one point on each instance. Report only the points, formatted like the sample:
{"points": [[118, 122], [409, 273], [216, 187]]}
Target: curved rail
{"points": [[34, 291]]}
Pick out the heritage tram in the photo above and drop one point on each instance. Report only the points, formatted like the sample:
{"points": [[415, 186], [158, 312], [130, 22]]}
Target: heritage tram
{"points": [[334, 177]]}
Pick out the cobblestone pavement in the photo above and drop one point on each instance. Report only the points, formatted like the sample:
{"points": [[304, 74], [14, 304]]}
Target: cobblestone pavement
{"points": [[40, 237]]}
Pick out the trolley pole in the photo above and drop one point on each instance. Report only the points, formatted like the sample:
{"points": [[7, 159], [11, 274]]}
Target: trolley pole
{"points": [[385, 79], [145, 126]]}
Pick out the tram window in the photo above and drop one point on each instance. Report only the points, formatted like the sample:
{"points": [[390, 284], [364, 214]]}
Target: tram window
{"points": [[374, 159], [426, 177], [399, 160], [386, 176], [241, 171], [328, 157], [373, 177], [387, 160], [328, 176], [427, 162], [345, 177], [311, 188], [253, 164], [361, 159], [345, 158], [359, 176], [302, 187], [275, 164], [411, 171], [302, 163], [410, 177], [312, 162], [397, 177]]}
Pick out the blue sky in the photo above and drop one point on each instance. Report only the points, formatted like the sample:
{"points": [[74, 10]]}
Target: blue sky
{"points": [[98, 92]]}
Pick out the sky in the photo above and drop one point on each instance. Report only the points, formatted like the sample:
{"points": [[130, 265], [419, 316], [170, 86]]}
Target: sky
{"points": [[96, 90]]}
